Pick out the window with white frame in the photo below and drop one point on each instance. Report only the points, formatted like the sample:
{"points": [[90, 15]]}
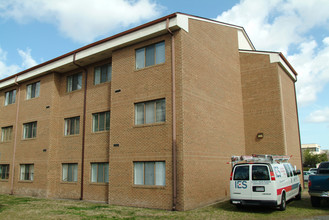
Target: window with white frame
{"points": [[101, 121], [6, 133], [99, 172], [150, 112], [30, 130], [150, 55], [4, 171], [103, 74], [10, 97], [33, 90], [72, 126], [27, 172], [150, 173], [70, 172], [74, 82]]}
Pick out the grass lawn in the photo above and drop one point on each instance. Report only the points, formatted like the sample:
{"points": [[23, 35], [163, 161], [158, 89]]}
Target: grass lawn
{"points": [[14, 207]]}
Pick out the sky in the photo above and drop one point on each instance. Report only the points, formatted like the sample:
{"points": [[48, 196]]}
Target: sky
{"points": [[35, 31]]}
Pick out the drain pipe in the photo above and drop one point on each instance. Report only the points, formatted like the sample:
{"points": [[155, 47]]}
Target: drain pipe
{"points": [[173, 104], [18, 94], [83, 124]]}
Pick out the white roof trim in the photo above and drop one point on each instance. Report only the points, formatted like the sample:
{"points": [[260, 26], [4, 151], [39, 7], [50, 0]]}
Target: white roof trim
{"points": [[275, 58], [179, 21]]}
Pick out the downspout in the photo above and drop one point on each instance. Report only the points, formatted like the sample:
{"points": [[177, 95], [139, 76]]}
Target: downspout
{"points": [[173, 104], [15, 137], [83, 124]]}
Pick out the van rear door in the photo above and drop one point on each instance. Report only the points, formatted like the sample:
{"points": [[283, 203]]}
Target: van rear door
{"points": [[261, 185], [240, 185]]}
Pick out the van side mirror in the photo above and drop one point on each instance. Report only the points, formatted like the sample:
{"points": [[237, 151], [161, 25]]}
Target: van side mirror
{"points": [[297, 172]]}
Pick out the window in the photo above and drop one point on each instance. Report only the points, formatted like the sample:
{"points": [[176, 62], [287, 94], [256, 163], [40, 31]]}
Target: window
{"points": [[241, 173], [150, 173], [6, 133], [70, 172], [30, 130], [150, 55], [150, 112], [260, 173], [100, 172], [103, 74], [33, 90], [72, 126], [27, 172], [287, 168], [101, 121], [74, 82], [4, 171], [10, 97]]}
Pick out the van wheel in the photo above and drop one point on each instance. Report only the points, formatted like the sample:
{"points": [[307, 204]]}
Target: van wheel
{"points": [[315, 201], [283, 204], [299, 195]]}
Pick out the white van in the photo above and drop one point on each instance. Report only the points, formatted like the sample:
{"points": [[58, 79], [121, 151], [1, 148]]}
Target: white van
{"points": [[263, 180]]}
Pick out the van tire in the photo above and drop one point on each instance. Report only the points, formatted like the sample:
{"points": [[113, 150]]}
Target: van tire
{"points": [[315, 201], [283, 204], [299, 195]]}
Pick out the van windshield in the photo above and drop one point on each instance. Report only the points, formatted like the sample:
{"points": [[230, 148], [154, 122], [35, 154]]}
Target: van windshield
{"points": [[241, 173], [260, 173]]}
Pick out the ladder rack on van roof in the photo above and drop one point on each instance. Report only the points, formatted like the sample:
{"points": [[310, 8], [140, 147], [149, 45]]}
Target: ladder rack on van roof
{"points": [[260, 158]]}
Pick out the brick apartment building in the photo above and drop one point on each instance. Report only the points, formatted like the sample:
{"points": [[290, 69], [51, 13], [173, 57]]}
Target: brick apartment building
{"points": [[148, 117]]}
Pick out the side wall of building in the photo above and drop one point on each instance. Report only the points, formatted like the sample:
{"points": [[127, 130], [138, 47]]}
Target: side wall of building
{"points": [[213, 127]]}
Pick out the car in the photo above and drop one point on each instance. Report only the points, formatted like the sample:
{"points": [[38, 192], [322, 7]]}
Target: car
{"points": [[263, 180], [314, 170], [307, 174], [318, 185]]}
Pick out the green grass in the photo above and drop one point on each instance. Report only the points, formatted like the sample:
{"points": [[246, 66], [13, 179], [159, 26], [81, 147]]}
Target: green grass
{"points": [[14, 207]]}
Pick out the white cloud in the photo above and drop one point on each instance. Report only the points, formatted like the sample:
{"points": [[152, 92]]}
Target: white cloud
{"points": [[5, 69], [81, 20], [28, 61], [10, 69], [282, 25], [319, 116]]}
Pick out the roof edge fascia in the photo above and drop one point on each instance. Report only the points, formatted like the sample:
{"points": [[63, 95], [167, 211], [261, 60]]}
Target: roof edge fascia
{"points": [[277, 57]]}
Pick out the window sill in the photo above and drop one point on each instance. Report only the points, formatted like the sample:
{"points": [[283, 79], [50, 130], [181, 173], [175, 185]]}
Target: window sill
{"points": [[99, 184], [100, 132], [34, 98], [148, 187], [72, 135], [29, 139], [103, 83], [25, 181], [71, 92], [5, 142], [150, 125], [4, 180], [148, 67], [70, 183]]}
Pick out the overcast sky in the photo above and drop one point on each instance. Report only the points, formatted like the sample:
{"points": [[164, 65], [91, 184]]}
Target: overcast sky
{"points": [[34, 31]]}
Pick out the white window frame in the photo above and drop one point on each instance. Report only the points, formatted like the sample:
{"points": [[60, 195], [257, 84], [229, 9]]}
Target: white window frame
{"points": [[150, 112], [33, 90], [6, 133], [10, 97], [68, 123], [150, 55], [96, 169], [145, 175], [75, 78], [4, 171], [27, 172], [98, 126], [30, 130], [103, 74], [69, 172]]}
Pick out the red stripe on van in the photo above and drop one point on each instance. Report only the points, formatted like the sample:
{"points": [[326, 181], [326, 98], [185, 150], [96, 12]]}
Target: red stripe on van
{"points": [[287, 189]]}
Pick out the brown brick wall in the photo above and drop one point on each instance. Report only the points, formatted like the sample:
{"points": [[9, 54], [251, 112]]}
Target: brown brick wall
{"points": [[213, 127], [144, 142]]}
